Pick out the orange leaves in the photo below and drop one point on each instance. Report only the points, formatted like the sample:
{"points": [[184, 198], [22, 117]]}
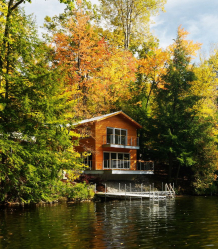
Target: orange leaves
{"points": [[98, 71], [189, 46], [154, 66], [111, 81], [74, 48]]}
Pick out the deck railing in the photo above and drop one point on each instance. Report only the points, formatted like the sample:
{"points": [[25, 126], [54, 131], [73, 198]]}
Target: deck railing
{"points": [[136, 191], [123, 164], [121, 140], [116, 164], [145, 165]]}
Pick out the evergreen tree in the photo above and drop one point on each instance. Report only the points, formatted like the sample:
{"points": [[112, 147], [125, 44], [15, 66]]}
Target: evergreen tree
{"points": [[179, 134]]}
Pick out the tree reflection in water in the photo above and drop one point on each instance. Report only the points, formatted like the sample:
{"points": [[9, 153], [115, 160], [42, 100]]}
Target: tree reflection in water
{"points": [[187, 222]]}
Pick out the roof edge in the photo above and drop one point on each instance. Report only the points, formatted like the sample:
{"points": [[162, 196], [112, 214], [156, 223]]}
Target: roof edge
{"points": [[100, 118]]}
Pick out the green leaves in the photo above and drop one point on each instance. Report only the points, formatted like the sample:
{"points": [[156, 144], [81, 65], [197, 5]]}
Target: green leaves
{"points": [[124, 16], [179, 121], [70, 3], [34, 137]]}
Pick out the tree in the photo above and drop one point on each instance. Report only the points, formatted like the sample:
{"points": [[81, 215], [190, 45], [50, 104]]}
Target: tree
{"points": [[130, 19], [8, 7], [205, 86], [153, 67], [34, 127], [98, 71], [181, 136]]}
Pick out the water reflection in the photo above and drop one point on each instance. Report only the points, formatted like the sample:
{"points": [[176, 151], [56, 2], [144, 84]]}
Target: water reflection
{"points": [[130, 224], [190, 222]]}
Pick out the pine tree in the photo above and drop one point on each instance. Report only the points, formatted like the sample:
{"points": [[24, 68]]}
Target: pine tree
{"points": [[180, 136]]}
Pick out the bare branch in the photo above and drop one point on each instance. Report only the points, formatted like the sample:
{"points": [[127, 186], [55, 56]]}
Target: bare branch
{"points": [[16, 5]]}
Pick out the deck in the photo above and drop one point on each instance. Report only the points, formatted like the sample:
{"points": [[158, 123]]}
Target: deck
{"points": [[120, 194], [134, 195]]}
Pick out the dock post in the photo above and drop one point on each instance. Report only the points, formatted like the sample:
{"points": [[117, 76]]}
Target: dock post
{"points": [[150, 193], [141, 191], [162, 186], [95, 188], [119, 186], [125, 191], [130, 189], [105, 191]]}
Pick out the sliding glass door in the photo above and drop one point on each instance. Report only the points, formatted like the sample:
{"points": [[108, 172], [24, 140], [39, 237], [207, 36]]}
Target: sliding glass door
{"points": [[116, 160]]}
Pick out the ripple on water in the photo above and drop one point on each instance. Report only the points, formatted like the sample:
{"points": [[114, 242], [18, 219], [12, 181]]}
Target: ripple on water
{"points": [[189, 222]]}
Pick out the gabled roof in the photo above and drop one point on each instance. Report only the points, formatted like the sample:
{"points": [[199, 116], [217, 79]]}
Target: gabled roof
{"points": [[99, 118]]}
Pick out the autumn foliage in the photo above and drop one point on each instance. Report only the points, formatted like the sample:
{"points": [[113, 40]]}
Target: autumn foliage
{"points": [[83, 70], [97, 72]]}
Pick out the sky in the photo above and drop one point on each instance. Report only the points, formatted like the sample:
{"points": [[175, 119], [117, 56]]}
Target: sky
{"points": [[198, 17]]}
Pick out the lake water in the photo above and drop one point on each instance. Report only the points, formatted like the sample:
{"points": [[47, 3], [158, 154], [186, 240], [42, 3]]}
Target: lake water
{"points": [[186, 222]]}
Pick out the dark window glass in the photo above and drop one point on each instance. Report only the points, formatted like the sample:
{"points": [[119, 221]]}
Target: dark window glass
{"points": [[106, 160], [123, 137], [120, 160], [126, 161], [117, 136], [113, 160], [109, 135]]}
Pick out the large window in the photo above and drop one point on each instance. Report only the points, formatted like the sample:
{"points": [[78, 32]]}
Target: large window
{"points": [[116, 160], [116, 136], [88, 161]]}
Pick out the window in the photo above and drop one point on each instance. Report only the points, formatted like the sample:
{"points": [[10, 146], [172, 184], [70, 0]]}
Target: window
{"points": [[116, 136], [87, 160], [116, 160]]}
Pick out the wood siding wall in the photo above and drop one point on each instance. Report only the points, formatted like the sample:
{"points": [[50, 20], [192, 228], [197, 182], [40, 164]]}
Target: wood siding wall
{"points": [[99, 130], [117, 121]]}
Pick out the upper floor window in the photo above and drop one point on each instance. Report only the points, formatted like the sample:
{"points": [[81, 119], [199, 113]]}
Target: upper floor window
{"points": [[116, 136]]}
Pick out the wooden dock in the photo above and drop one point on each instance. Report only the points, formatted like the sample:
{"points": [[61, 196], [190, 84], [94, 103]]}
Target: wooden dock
{"points": [[137, 195], [120, 194]]}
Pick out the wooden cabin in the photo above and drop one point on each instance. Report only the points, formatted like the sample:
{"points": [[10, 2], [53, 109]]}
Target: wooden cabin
{"points": [[112, 143]]}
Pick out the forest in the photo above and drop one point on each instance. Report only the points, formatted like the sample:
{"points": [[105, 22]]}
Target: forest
{"points": [[90, 61]]}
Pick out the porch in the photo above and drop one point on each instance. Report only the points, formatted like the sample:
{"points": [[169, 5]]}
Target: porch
{"points": [[117, 167], [120, 141]]}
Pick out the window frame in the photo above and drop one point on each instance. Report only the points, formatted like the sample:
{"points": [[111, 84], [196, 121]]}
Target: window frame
{"points": [[119, 136], [117, 160]]}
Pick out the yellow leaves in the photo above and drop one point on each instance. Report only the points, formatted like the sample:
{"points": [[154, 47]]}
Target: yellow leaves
{"points": [[130, 19], [3, 12], [112, 81], [154, 66], [73, 133], [101, 73], [189, 46], [205, 86]]}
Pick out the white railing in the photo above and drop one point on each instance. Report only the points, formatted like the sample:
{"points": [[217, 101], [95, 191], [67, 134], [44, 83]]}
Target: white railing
{"points": [[125, 164], [116, 164], [121, 140], [145, 165], [138, 191]]}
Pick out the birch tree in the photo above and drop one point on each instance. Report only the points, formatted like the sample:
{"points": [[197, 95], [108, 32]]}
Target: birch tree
{"points": [[131, 18]]}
